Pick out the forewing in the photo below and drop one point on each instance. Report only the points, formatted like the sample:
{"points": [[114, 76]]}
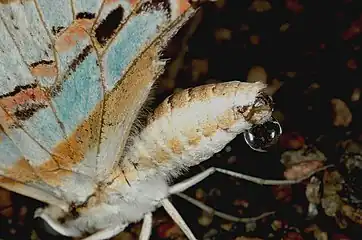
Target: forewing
{"points": [[50, 86], [74, 74]]}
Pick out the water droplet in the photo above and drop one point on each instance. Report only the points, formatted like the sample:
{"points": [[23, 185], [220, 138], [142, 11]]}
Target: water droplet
{"points": [[261, 137]]}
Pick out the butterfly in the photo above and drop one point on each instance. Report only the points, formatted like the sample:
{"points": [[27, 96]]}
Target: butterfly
{"points": [[74, 77]]}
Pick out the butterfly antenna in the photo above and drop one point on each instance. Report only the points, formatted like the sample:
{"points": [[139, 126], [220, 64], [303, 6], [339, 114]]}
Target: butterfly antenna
{"points": [[176, 217]]}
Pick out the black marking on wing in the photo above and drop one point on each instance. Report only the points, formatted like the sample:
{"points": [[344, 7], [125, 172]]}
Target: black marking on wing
{"points": [[28, 111], [41, 62], [72, 67], [155, 5], [109, 25], [85, 15], [56, 30], [80, 58], [18, 89]]}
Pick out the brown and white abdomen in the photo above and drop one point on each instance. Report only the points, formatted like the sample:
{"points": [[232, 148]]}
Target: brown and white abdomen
{"points": [[192, 125]]}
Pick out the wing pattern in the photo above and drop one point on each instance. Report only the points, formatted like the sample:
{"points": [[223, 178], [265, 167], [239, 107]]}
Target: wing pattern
{"points": [[74, 74]]}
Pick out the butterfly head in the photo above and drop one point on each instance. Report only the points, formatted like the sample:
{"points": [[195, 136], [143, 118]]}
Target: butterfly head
{"points": [[253, 104], [260, 110]]}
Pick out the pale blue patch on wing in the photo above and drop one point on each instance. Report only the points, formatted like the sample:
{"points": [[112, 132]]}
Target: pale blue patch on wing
{"points": [[89, 6], [56, 13], [9, 156], [67, 57], [28, 146], [9, 153], [43, 127], [74, 188], [129, 43], [79, 94]]}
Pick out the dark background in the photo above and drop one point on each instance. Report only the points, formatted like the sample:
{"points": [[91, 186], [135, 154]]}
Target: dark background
{"points": [[320, 46]]}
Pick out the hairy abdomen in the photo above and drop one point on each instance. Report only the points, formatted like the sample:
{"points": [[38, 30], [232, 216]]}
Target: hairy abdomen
{"points": [[192, 125]]}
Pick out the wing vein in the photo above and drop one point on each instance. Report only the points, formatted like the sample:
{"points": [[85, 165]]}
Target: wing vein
{"points": [[103, 87], [29, 135], [41, 17], [17, 47], [59, 79], [97, 16], [148, 46]]}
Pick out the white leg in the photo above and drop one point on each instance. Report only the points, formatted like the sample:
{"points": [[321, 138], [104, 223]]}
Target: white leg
{"points": [[171, 210], [146, 227], [225, 216], [182, 186], [107, 233], [56, 226]]}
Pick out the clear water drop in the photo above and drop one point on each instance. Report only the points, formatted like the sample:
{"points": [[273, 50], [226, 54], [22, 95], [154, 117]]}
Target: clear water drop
{"points": [[261, 137]]}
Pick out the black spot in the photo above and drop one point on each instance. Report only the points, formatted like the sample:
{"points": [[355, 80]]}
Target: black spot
{"points": [[85, 15], [18, 89], [108, 26], [56, 30], [155, 5], [28, 111], [45, 62]]}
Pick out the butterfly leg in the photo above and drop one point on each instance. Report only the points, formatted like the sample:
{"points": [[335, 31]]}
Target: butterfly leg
{"points": [[146, 227], [107, 233], [182, 186], [174, 214], [225, 216]]}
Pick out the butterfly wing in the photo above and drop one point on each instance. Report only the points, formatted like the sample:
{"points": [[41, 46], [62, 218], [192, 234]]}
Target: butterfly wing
{"points": [[74, 74], [126, 97]]}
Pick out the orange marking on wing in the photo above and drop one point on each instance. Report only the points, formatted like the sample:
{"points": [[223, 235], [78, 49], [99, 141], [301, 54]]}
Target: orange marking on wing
{"points": [[66, 154], [22, 171], [5, 119], [72, 151], [184, 5], [24, 97], [45, 70], [77, 31], [8, 181], [21, 100]]}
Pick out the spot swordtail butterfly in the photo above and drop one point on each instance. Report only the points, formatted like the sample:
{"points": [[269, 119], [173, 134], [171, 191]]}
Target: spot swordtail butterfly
{"points": [[74, 77]]}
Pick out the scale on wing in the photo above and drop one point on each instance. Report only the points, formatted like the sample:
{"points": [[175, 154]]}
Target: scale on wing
{"points": [[74, 75]]}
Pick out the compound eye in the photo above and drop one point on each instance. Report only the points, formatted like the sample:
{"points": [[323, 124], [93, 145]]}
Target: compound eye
{"points": [[261, 137]]}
